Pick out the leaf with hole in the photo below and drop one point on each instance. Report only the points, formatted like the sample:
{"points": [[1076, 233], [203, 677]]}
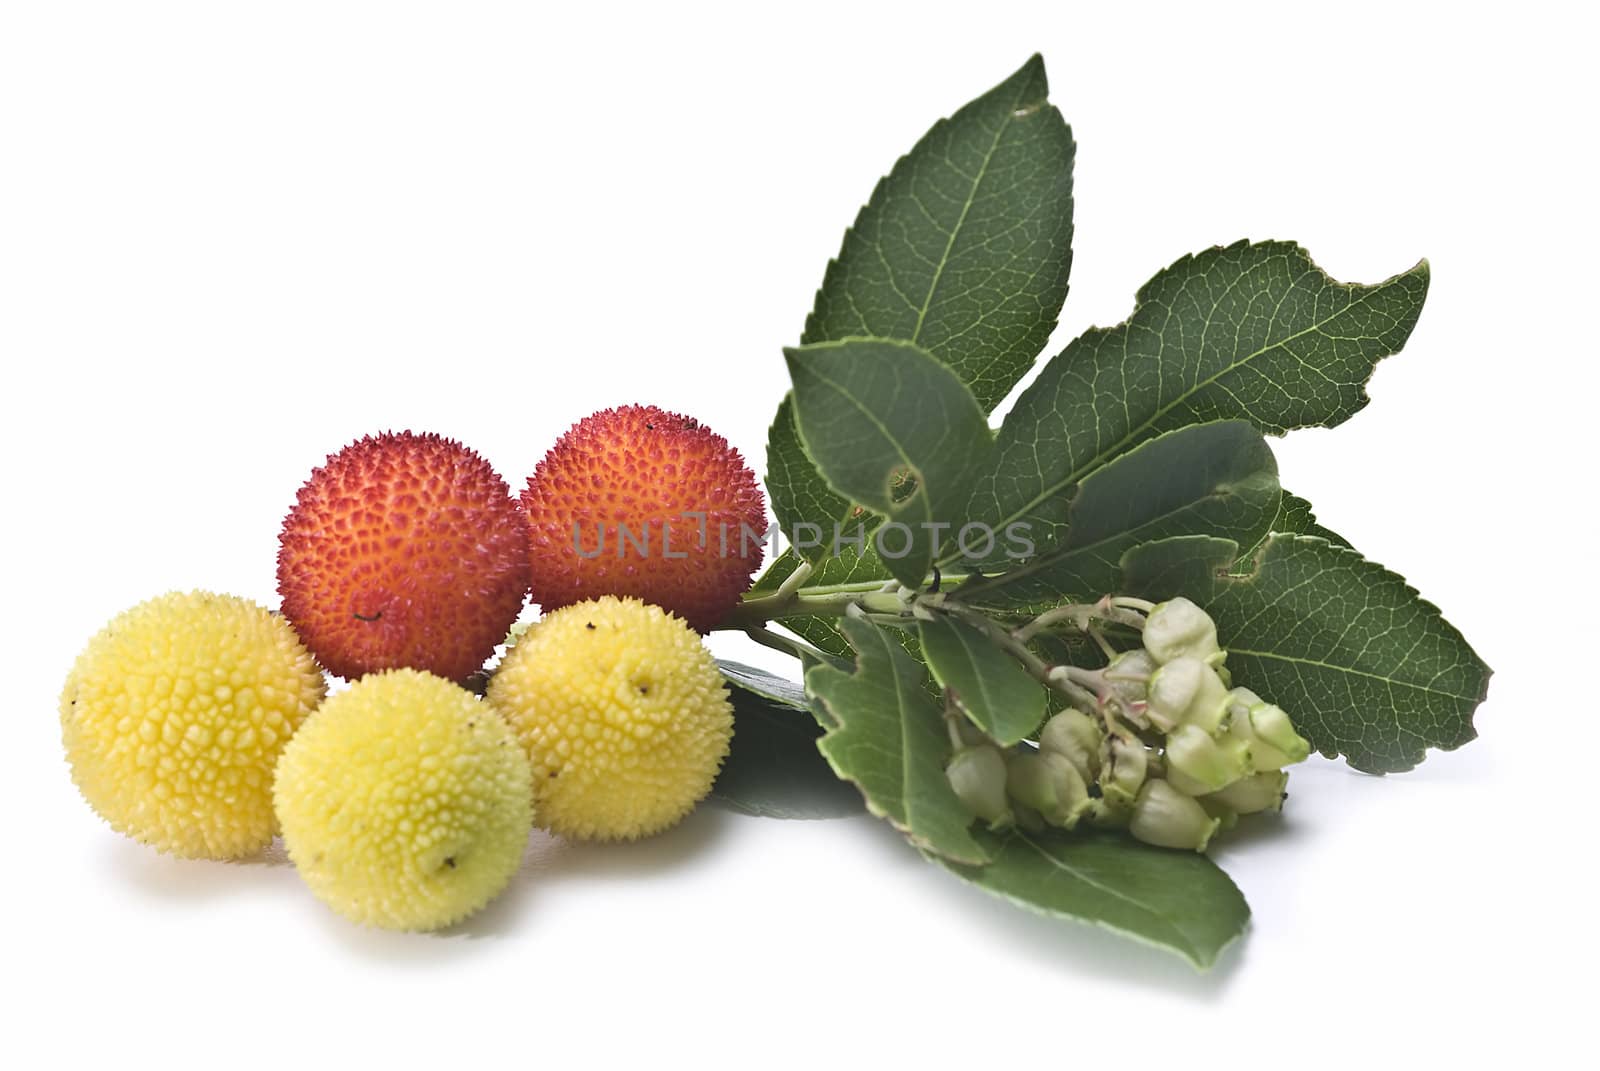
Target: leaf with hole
{"points": [[894, 429], [964, 248]]}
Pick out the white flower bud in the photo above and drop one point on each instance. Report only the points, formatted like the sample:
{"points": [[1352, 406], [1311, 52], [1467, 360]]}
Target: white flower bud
{"points": [[1187, 690], [1251, 795], [1237, 719], [1129, 674], [1205, 761], [1075, 736], [1225, 815], [1184, 783], [1267, 730], [1049, 784], [1271, 725], [1125, 772], [1165, 817], [978, 776], [1178, 628], [1242, 699]]}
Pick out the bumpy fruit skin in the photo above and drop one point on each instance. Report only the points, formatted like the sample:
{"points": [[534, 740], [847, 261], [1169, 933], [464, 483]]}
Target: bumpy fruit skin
{"points": [[404, 550], [623, 713], [174, 716], [657, 473], [405, 802]]}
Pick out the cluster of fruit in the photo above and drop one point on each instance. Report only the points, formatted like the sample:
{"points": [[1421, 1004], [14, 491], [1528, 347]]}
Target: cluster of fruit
{"points": [[1160, 744], [201, 724]]}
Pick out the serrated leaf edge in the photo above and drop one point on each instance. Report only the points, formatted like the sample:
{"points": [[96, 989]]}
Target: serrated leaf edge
{"points": [[833, 723], [1108, 454], [1227, 571]]}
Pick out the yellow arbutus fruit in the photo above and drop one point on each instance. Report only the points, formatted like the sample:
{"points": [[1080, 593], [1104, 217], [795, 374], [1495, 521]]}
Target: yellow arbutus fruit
{"points": [[174, 716], [623, 713], [405, 802]]}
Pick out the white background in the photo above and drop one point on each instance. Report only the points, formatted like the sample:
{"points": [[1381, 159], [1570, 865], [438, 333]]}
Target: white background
{"points": [[235, 237]]}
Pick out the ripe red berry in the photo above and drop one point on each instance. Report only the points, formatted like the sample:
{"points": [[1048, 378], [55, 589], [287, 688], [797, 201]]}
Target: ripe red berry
{"points": [[403, 550], [642, 502]]}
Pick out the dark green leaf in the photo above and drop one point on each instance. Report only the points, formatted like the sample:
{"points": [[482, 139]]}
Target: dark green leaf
{"points": [[1207, 479], [1365, 667], [964, 249], [853, 568], [1295, 517], [895, 430], [1256, 332], [966, 245], [774, 769], [801, 499], [776, 572], [769, 686], [990, 686], [1180, 901], [823, 633], [887, 735]]}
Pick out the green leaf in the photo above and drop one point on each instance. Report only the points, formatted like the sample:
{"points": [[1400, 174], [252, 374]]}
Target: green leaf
{"points": [[848, 570], [777, 690], [887, 735], [1295, 517], [1365, 667], [1179, 901], [826, 635], [823, 633], [988, 684], [1254, 332], [774, 769], [1207, 479], [892, 428], [964, 248], [800, 496], [966, 245]]}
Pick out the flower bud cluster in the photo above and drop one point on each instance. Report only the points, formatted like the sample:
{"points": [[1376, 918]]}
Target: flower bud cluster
{"points": [[1171, 751]]}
